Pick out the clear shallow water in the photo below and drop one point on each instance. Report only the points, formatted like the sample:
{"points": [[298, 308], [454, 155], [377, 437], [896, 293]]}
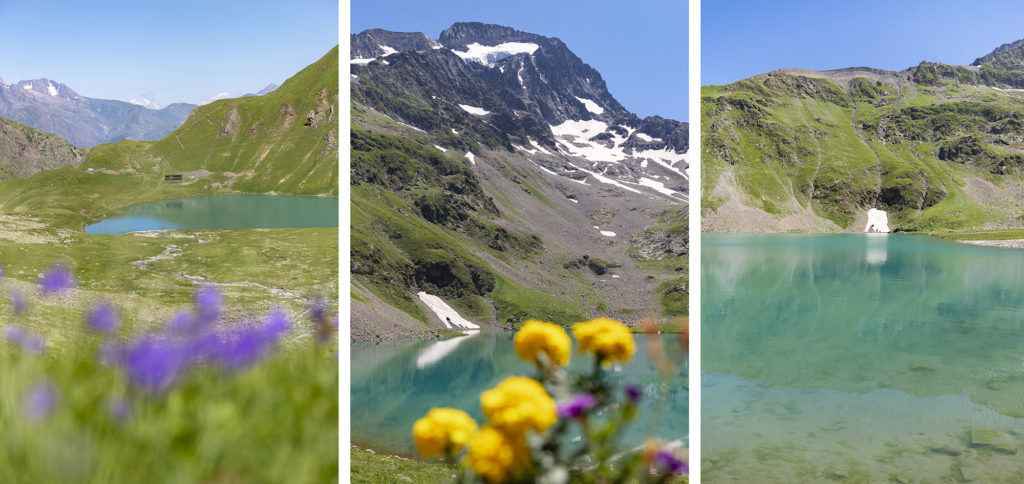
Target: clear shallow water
{"points": [[860, 358], [396, 383], [223, 212]]}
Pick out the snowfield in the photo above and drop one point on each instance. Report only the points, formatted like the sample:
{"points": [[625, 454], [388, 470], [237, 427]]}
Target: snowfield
{"points": [[489, 54], [474, 110], [591, 105]]}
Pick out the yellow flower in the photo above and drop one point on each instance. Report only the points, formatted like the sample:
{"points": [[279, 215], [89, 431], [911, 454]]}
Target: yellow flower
{"points": [[537, 336], [606, 338], [496, 456], [519, 404], [442, 431]]}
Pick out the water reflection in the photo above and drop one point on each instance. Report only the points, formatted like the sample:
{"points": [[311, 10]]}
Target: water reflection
{"points": [[877, 252], [437, 351]]}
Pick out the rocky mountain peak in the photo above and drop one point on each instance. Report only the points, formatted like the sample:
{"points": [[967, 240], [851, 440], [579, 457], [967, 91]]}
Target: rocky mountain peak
{"points": [[462, 34], [526, 93], [373, 43], [44, 87], [1007, 57]]}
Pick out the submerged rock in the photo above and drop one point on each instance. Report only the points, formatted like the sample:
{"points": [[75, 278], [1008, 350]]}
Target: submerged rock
{"points": [[994, 439], [946, 448]]}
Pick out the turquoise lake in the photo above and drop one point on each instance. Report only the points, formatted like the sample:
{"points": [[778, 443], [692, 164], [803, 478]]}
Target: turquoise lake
{"points": [[223, 212], [861, 358], [396, 383]]}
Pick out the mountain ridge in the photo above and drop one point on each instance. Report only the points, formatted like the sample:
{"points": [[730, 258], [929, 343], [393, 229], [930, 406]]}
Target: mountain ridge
{"points": [[798, 149], [55, 108], [493, 169]]}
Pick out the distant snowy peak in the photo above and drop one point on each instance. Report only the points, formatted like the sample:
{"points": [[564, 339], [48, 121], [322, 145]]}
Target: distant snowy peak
{"points": [[146, 103], [43, 87], [489, 54]]}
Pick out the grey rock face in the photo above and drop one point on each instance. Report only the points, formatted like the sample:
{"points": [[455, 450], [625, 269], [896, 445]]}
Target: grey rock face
{"points": [[373, 43], [525, 83], [25, 151]]}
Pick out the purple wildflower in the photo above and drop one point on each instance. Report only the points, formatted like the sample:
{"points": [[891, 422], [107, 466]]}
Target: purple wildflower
{"points": [[276, 324], [41, 401], [103, 318], [673, 465], [577, 406], [57, 279], [14, 333], [208, 304], [243, 347], [318, 310], [181, 323], [153, 363], [633, 393], [1, 273], [18, 302], [20, 336], [321, 320]]}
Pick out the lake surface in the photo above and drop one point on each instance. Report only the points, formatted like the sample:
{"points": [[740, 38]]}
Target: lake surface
{"points": [[396, 383], [223, 212], [861, 358]]}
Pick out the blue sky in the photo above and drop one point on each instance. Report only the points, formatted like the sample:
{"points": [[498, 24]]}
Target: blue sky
{"points": [[176, 51], [740, 39], [640, 48]]}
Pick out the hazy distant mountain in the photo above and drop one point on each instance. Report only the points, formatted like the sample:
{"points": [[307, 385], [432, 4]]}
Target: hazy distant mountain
{"points": [[55, 108], [270, 88]]}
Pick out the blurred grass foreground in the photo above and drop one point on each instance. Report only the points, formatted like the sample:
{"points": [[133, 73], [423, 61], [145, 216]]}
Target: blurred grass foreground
{"points": [[203, 399]]}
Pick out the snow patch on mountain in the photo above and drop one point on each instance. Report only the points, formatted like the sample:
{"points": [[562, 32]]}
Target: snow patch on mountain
{"points": [[360, 61], [474, 110], [442, 150], [538, 165], [574, 138], [51, 89], [591, 106], [878, 221], [489, 54], [539, 147], [603, 179], [660, 187], [387, 50], [520, 148], [471, 157], [146, 103], [445, 313], [667, 158]]}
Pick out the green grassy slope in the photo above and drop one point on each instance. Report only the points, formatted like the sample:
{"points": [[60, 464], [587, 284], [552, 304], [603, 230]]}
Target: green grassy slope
{"points": [[420, 221], [283, 142], [842, 146]]}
